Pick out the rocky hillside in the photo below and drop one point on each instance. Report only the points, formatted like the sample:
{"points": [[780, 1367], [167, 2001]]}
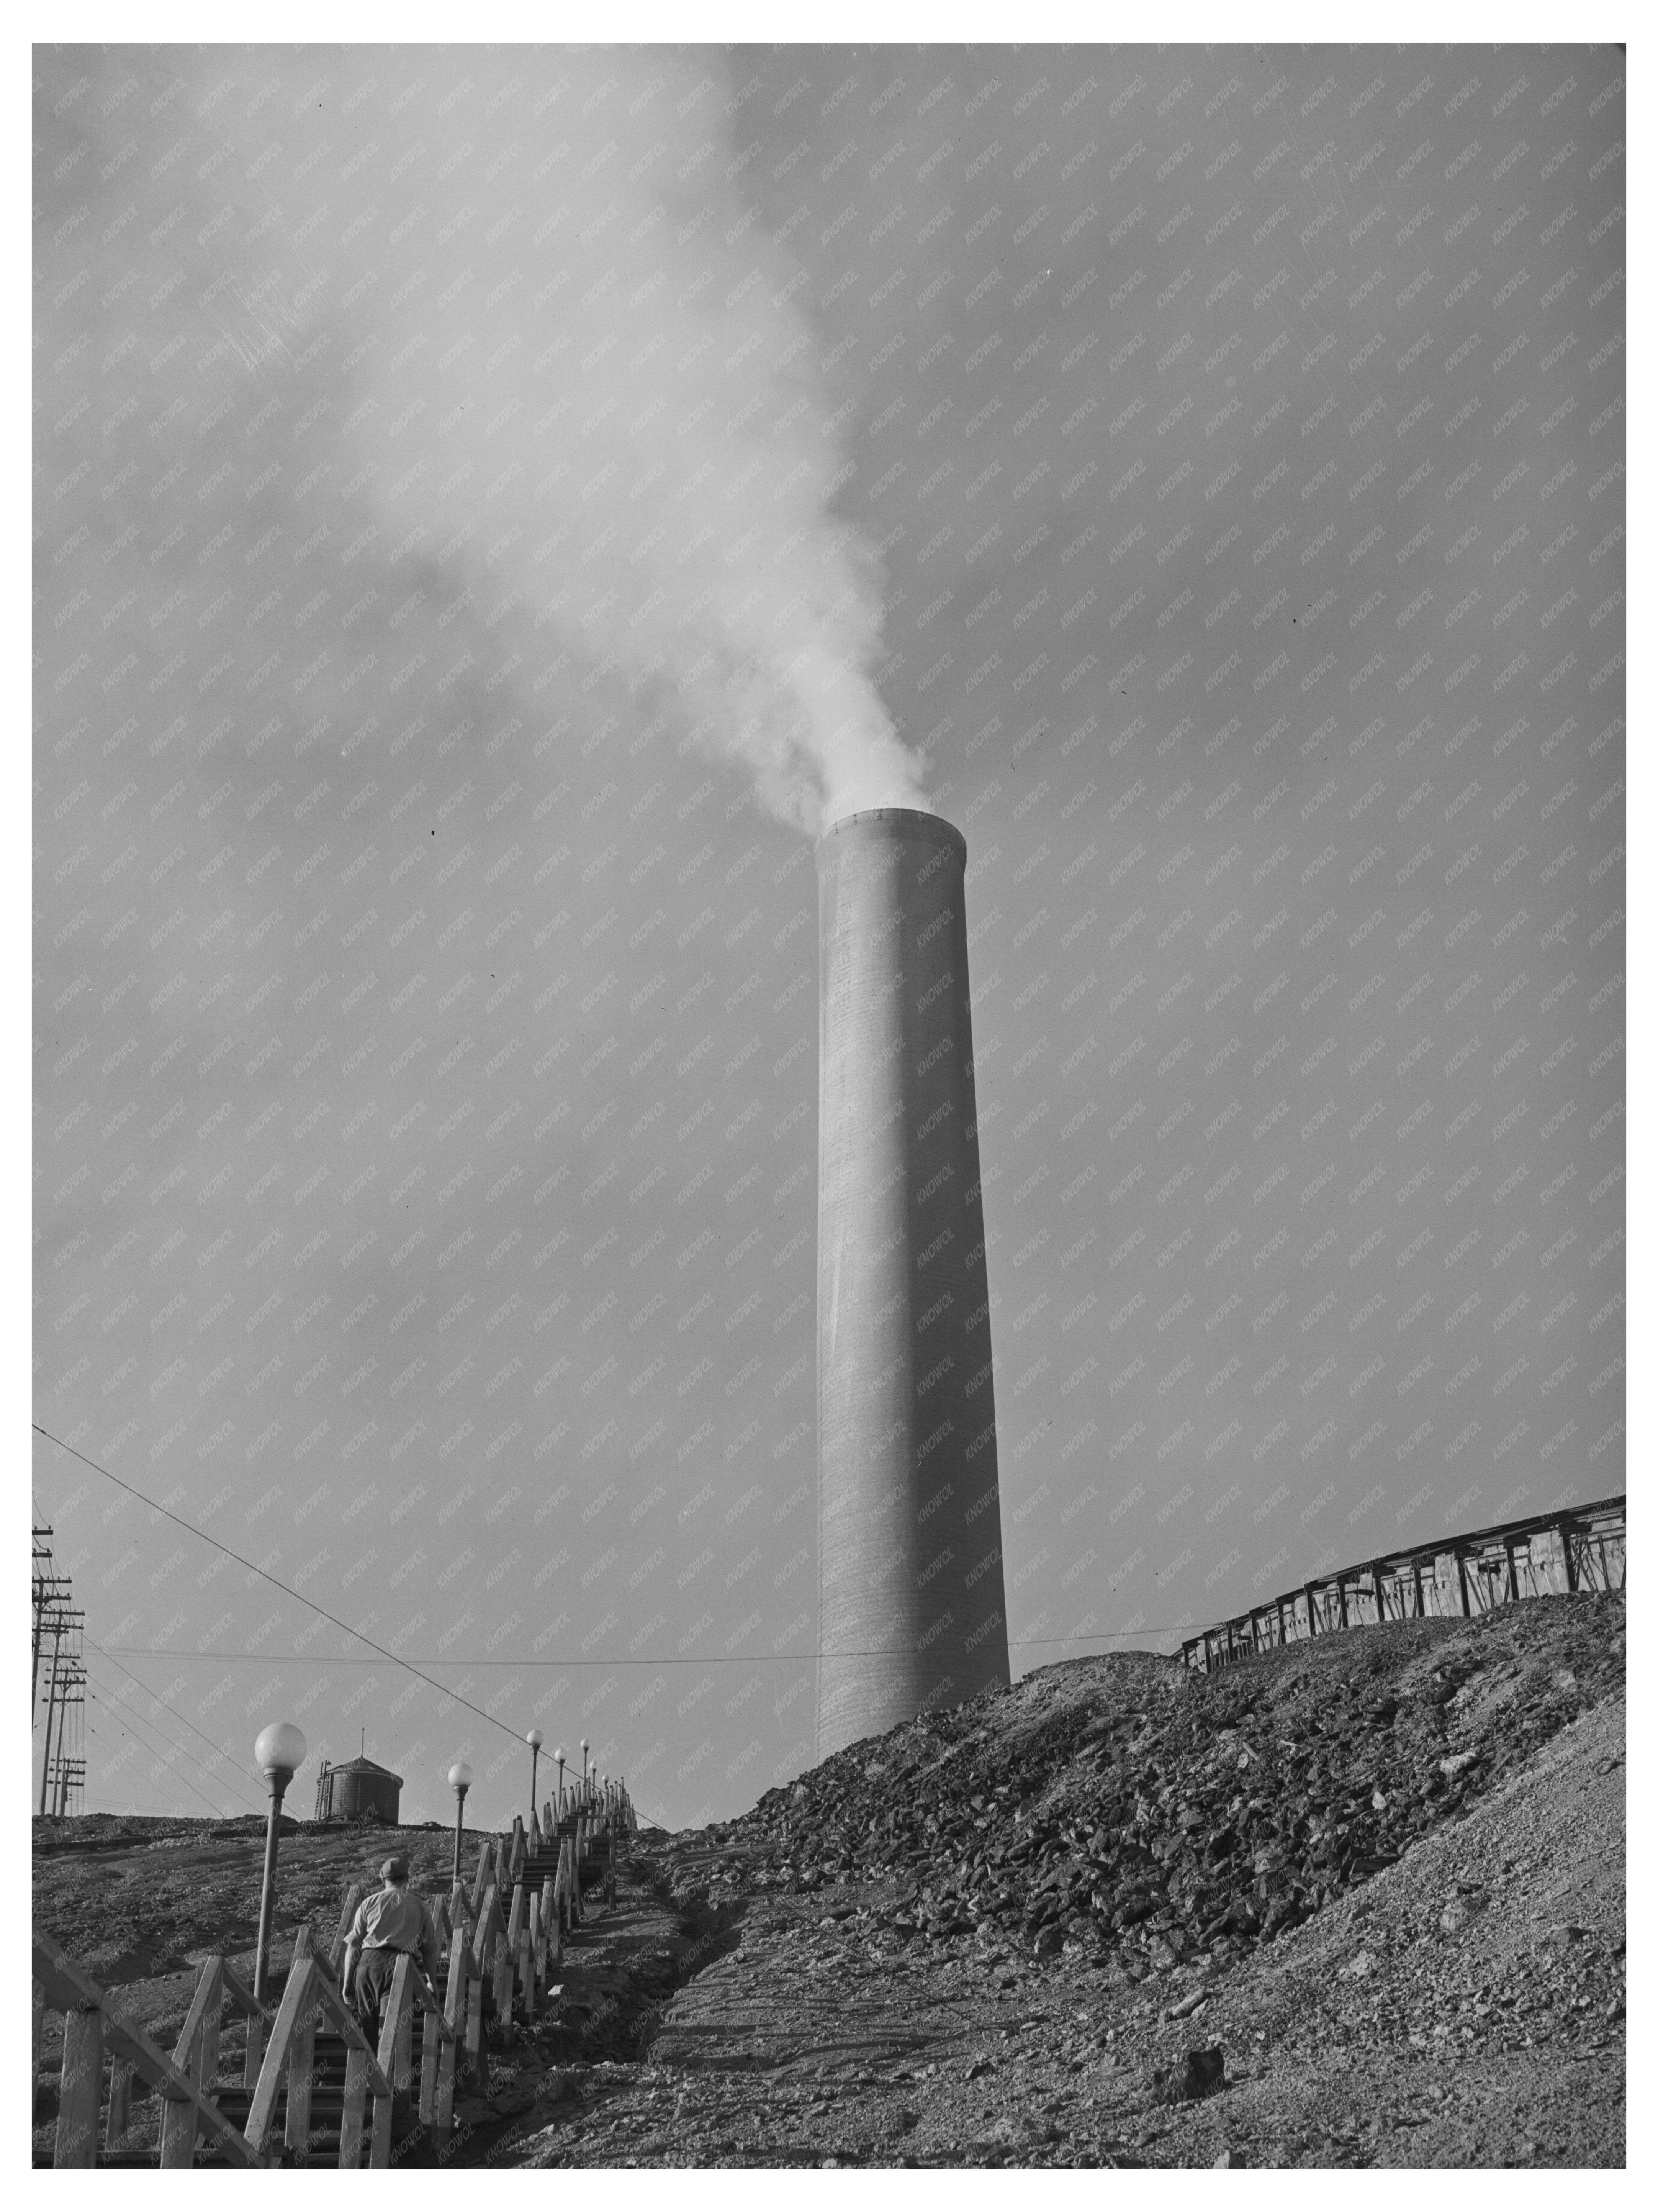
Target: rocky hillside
{"points": [[1128, 1805], [1357, 1903]]}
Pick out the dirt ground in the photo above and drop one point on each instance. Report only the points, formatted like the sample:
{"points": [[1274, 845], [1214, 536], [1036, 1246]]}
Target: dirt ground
{"points": [[1466, 2008], [1097, 1975]]}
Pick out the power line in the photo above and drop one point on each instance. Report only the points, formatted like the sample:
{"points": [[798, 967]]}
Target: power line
{"points": [[178, 1749], [218, 1750], [410, 1666], [286, 1589], [132, 1719], [662, 1659]]}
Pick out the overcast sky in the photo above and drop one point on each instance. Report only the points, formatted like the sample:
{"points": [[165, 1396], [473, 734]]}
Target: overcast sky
{"points": [[489, 510]]}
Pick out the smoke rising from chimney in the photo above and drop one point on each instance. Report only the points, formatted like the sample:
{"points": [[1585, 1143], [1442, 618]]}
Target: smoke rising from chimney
{"points": [[576, 365]]}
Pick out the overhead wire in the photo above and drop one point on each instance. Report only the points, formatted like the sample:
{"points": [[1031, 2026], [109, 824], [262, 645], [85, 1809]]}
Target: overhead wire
{"points": [[415, 1667], [145, 1737], [661, 1659], [155, 1698], [148, 1727], [276, 1582]]}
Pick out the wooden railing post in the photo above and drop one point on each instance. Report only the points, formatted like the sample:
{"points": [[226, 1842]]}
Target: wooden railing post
{"points": [[393, 2058], [195, 2055], [481, 1933], [119, 2118], [352, 2111], [301, 2070], [501, 1987], [484, 1976], [527, 1970], [37, 2034], [455, 2010], [478, 2055], [517, 1938], [431, 2046], [80, 2087]]}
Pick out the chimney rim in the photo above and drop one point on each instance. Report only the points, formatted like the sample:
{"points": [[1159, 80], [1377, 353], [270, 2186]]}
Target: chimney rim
{"points": [[913, 822]]}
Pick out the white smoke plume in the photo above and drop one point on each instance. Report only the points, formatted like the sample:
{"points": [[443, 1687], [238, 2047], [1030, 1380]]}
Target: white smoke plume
{"points": [[579, 369]]}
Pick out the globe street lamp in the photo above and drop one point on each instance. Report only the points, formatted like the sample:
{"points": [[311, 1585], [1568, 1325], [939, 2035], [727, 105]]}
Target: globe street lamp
{"points": [[559, 1756], [534, 1741], [277, 1750], [460, 1781], [583, 1767]]}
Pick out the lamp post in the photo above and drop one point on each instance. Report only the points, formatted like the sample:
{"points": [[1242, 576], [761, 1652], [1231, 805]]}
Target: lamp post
{"points": [[559, 1756], [584, 1767], [534, 1741], [460, 1781], [277, 1750]]}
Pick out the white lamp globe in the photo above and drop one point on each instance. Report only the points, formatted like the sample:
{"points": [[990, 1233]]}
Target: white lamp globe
{"points": [[460, 1776], [279, 1748], [534, 1739]]}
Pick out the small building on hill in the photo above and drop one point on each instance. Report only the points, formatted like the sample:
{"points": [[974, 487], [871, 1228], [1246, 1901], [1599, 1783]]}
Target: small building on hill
{"points": [[358, 1788]]}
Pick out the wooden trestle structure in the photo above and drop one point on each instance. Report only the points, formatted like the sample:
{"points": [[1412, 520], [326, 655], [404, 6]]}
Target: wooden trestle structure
{"points": [[1560, 1553]]}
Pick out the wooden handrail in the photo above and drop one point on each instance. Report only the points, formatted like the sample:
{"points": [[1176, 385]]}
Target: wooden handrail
{"points": [[243, 1997], [68, 1990], [298, 2003], [196, 2054], [210, 1991]]}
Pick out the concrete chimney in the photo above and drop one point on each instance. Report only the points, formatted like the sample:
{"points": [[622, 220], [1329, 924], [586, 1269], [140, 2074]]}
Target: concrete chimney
{"points": [[910, 1597]]}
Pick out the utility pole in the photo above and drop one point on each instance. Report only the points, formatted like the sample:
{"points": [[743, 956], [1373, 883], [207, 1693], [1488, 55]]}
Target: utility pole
{"points": [[52, 1702], [68, 1769], [62, 1623], [72, 1692], [48, 1589]]}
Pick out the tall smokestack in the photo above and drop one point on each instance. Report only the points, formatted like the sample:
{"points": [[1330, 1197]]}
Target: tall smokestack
{"points": [[910, 1597]]}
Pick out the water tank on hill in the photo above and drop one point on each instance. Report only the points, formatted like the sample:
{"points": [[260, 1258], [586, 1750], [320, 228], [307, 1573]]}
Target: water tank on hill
{"points": [[357, 1787]]}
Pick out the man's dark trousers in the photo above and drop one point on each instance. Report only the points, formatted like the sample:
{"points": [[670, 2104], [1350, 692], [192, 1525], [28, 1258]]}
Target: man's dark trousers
{"points": [[373, 1987]]}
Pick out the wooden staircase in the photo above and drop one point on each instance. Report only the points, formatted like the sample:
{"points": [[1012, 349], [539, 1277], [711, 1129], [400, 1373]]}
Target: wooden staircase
{"points": [[313, 2091]]}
